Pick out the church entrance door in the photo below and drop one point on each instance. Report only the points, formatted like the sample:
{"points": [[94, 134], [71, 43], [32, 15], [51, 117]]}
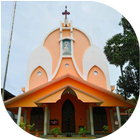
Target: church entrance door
{"points": [[68, 117]]}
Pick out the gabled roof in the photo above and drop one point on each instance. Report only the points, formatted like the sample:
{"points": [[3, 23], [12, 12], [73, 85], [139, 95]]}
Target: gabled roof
{"points": [[82, 89], [56, 95]]}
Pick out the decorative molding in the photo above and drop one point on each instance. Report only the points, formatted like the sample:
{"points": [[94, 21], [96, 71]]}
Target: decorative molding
{"points": [[69, 38]]}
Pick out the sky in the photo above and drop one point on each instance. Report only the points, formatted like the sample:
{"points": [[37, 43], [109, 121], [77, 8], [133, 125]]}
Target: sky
{"points": [[34, 19]]}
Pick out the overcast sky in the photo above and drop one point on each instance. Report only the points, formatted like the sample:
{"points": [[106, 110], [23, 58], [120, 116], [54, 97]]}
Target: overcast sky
{"points": [[33, 20]]}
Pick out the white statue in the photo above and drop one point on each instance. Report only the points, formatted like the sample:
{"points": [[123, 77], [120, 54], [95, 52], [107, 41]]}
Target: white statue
{"points": [[66, 48]]}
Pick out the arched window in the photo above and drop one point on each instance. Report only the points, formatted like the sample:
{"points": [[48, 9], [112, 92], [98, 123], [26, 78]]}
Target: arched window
{"points": [[37, 117], [100, 118], [68, 117]]}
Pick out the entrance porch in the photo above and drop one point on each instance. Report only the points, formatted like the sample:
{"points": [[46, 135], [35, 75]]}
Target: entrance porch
{"points": [[69, 114]]}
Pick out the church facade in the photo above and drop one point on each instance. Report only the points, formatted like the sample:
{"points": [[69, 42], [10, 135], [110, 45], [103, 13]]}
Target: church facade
{"points": [[68, 86]]}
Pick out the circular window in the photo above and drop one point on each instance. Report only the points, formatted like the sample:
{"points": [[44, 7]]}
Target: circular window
{"points": [[95, 72], [66, 65], [39, 73]]}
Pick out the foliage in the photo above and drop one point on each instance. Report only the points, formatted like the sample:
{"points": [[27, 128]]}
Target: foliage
{"points": [[56, 131], [83, 131], [105, 129], [123, 48], [27, 122], [21, 129], [115, 51], [136, 108], [131, 42], [13, 131], [3, 121], [128, 84], [30, 126]]}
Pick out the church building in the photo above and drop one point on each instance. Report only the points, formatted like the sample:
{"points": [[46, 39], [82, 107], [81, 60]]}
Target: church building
{"points": [[68, 85]]}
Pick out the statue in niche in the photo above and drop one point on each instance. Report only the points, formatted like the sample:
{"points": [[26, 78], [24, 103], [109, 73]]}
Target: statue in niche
{"points": [[66, 48]]}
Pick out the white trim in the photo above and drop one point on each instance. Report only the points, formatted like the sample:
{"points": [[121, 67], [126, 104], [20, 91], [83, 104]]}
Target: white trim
{"points": [[118, 116], [69, 38], [57, 68], [85, 34], [49, 34], [91, 120], [65, 28], [45, 120], [76, 67], [71, 29], [19, 116], [88, 121], [60, 26]]}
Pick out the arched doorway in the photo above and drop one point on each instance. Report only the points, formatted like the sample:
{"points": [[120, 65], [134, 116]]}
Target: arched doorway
{"points": [[37, 117], [100, 118], [68, 117]]}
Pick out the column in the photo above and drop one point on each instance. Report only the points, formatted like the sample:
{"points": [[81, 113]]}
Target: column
{"points": [[19, 116], [45, 120], [91, 120], [88, 121], [112, 120], [118, 115]]}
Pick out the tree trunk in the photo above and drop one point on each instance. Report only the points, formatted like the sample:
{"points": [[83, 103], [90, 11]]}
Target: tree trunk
{"points": [[121, 67]]}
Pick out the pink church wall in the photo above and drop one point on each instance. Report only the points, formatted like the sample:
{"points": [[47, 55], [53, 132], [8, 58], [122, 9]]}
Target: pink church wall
{"points": [[37, 78], [80, 45], [53, 45], [98, 79]]}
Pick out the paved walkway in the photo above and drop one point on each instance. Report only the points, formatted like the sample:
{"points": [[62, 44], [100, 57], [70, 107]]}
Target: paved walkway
{"points": [[81, 138], [98, 137]]}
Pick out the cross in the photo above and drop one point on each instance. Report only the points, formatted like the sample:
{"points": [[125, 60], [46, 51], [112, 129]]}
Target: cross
{"points": [[65, 12]]}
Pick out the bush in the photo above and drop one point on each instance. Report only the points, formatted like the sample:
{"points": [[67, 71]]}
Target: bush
{"points": [[56, 131], [21, 129], [31, 126], [3, 121], [83, 131], [105, 129]]}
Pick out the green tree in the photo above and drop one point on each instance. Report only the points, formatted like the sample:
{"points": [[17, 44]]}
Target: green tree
{"points": [[131, 43], [115, 51], [122, 48], [127, 85]]}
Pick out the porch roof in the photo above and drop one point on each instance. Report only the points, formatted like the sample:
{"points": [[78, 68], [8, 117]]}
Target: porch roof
{"points": [[85, 91]]}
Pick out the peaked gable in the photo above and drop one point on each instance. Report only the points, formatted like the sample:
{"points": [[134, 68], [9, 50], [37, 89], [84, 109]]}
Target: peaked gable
{"points": [[82, 89]]}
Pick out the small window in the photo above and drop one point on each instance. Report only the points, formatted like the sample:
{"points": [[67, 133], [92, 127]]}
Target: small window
{"points": [[39, 73], [66, 65], [95, 72]]}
